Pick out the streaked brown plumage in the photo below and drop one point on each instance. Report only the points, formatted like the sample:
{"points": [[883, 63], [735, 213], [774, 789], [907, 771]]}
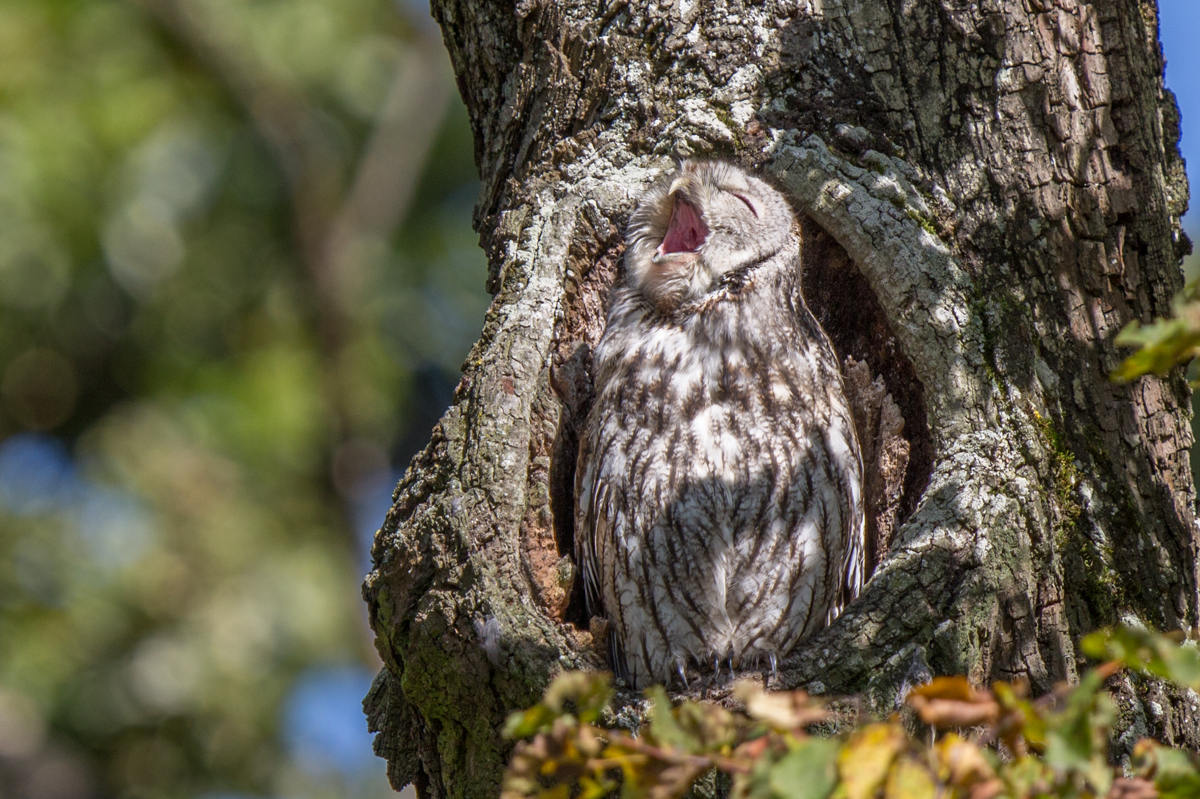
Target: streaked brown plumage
{"points": [[719, 504]]}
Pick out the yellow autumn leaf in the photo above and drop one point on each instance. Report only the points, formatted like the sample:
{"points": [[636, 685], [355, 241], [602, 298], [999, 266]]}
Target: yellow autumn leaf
{"points": [[909, 779], [779, 710], [776, 709], [963, 763], [864, 762]]}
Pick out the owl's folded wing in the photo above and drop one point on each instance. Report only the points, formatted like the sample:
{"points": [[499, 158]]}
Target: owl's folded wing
{"points": [[591, 527]]}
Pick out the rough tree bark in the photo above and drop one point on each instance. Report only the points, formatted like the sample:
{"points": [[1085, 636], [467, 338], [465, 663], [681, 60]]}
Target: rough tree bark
{"points": [[992, 191]]}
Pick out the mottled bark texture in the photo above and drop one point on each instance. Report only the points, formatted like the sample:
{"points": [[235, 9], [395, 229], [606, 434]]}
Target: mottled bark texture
{"points": [[992, 191]]}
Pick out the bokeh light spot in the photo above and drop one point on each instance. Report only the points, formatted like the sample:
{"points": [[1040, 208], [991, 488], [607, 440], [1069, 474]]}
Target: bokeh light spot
{"points": [[143, 245], [164, 673], [36, 474], [114, 526]]}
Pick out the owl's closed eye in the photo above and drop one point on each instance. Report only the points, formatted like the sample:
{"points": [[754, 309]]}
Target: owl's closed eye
{"points": [[699, 223]]}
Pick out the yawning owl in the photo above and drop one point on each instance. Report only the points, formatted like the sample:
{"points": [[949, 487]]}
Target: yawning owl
{"points": [[719, 488]]}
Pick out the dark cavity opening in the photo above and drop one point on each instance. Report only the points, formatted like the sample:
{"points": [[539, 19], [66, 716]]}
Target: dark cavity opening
{"points": [[842, 300]]}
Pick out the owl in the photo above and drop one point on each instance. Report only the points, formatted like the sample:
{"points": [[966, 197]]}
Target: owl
{"points": [[719, 513]]}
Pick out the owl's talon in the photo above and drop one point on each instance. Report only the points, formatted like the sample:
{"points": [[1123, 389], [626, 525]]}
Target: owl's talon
{"points": [[679, 668], [774, 665], [716, 666]]}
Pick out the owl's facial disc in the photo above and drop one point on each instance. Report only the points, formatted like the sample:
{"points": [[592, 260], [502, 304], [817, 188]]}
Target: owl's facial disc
{"points": [[686, 232]]}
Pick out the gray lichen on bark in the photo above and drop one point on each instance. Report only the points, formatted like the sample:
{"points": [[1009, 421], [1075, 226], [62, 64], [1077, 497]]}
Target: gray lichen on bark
{"points": [[1003, 182], [978, 513]]}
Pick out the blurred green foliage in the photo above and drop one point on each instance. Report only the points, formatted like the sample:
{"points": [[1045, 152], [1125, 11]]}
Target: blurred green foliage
{"points": [[219, 301], [1165, 343], [969, 743]]}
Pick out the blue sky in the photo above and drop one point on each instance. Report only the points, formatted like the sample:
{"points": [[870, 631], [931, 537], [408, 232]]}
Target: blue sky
{"points": [[1179, 27]]}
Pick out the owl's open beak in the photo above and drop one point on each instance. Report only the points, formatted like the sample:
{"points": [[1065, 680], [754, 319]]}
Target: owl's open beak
{"points": [[686, 232]]}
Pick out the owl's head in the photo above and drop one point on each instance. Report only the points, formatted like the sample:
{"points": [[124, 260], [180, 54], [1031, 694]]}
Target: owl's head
{"points": [[702, 221]]}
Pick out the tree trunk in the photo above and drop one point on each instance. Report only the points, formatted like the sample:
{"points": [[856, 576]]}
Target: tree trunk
{"points": [[992, 190]]}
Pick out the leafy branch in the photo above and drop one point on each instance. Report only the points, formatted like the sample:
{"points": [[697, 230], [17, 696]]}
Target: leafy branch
{"points": [[986, 744]]}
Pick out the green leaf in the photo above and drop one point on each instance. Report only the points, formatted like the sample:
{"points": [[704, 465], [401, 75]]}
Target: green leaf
{"points": [[1148, 652], [595, 788], [1065, 752], [1033, 725], [525, 723], [1023, 774], [1178, 788], [1175, 767], [590, 691], [807, 772], [1165, 343], [664, 729], [1069, 752], [711, 727], [1077, 736]]}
